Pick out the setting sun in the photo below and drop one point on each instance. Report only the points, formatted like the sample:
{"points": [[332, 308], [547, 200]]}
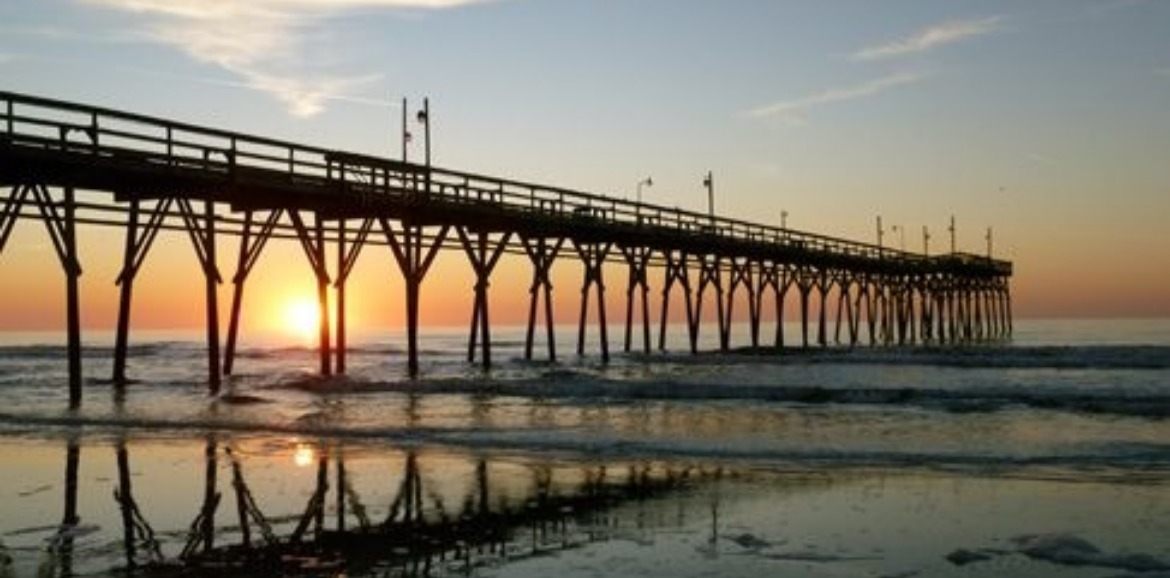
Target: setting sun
{"points": [[301, 318]]}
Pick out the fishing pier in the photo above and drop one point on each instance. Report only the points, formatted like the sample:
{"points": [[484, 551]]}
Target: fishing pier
{"points": [[162, 175]]}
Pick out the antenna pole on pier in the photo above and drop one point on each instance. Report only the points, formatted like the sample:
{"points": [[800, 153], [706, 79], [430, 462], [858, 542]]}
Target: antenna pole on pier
{"points": [[405, 132], [424, 118]]}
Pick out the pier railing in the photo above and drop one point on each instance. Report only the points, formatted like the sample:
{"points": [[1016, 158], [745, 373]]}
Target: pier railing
{"points": [[175, 148]]}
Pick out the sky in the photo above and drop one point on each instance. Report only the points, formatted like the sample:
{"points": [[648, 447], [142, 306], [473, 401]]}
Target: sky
{"points": [[1046, 120]]}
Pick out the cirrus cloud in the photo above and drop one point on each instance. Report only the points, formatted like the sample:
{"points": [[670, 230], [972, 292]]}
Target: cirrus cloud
{"points": [[274, 46], [794, 111], [931, 37]]}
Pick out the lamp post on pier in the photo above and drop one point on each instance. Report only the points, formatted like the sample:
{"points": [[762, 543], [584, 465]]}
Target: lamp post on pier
{"points": [[925, 241], [646, 182], [424, 118], [901, 231], [709, 182], [952, 230], [880, 232], [784, 220]]}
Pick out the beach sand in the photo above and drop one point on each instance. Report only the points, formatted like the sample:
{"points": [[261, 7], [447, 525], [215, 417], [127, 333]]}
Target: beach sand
{"points": [[458, 511]]}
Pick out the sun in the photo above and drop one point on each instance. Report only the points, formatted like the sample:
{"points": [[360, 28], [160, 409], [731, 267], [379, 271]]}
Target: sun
{"points": [[301, 318]]}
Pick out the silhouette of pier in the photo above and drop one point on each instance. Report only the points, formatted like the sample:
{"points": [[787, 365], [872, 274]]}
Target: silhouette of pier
{"points": [[160, 175]]}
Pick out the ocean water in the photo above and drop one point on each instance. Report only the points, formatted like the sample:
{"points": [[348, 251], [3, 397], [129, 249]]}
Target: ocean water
{"points": [[1048, 455]]}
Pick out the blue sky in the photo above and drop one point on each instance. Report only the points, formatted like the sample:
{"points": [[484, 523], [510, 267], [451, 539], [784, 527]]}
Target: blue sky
{"points": [[1048, 120]]}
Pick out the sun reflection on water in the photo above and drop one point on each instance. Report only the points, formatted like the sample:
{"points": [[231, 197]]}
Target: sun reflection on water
{"points": [[304, 455]]}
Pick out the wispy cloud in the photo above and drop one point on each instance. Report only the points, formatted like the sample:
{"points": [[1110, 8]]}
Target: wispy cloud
{"points": [[794, 111], [931, 38], [273, 46], [1040, 159]]}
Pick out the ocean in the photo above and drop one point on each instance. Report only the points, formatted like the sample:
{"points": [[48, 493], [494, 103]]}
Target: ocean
{"points": [[1048, 455]]}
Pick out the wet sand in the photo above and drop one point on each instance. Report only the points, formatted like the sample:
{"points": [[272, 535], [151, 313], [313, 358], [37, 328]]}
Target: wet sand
{"points": [[443, 511]]}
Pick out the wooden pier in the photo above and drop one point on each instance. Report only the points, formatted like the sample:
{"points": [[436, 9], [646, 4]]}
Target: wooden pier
{"points": [[165, 175]]}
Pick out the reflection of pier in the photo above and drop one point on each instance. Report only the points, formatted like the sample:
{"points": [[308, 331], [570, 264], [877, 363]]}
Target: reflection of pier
{"points": [[553, 507], [171, 176]]}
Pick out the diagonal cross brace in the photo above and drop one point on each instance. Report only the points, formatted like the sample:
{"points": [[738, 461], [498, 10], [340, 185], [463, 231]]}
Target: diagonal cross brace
{"points": [[59, 230], [11, 212], [349, 260], [313, 250], [141, 244], [409, 252], [200, 239], [250, 248]]}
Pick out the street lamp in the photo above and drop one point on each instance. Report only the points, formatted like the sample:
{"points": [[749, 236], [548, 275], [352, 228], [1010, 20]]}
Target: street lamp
{"points": [[952, 230], [784, 220], [424, 118], [648, 182], [989, 242], [880, 232], [925, 241], [709, 182], [901, 231]]}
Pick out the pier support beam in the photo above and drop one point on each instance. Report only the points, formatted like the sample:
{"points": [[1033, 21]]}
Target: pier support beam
{"points": [[138, 244], [823, 284], [313, 242], [414, 254], [677, 271], [61, 223], [786, 282], [710, 273], [742, 272], [593, 256], [767, 276], [899, 296], [250, 248], [484, 254], [542, 255], [868, 296], [845, 316], [946, 318], [203, 239], [1008, 301], [805, 281], [925, 311], [638, 260], [347, 256]]}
